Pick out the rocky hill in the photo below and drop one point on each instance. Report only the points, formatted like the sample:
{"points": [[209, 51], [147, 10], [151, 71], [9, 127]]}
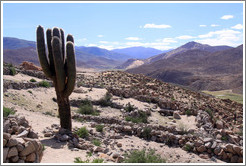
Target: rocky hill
{"points": [[199, 69], [136, 112]]}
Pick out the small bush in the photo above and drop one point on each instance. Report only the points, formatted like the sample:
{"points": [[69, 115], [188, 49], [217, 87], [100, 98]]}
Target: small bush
{"points": [[33, 80], [86, 108], [96, 142], [210, 112], [142, 156], [99, 128], [224, 138], [96, 160], [188, 112], [29, 91], [146, 133], [7, 111], [44, 84], [82, 132], [129, 107], [187, 147], [106, 100], [12, 71], [141, 118]]}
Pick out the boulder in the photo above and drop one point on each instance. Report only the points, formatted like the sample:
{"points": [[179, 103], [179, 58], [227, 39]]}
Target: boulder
{"points": [[12, 152], [219, 124], [29, 148], [6, 136], [12, 142], [201, 149], [176, 115], [5, 154], [15, 159], [31, 157], [4, 142]]}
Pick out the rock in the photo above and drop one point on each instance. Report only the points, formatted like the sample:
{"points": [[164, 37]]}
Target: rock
{"points": [[31, 157], [115, 155], [153, 138], [21, 161], [29, 148], [204, 156], [20, 147], [119, 159], [12, 142], [234, 159], [201, 149], [198, 143], [15, 159], [208, 145], [237, 149], [229, 148], [98, 149], [30, 66], [48, 134], [32, 135], [6, 126], [240, 160], [119, 145], [4, 142], [12, 152], [5, 154], [214, 145], [205, 140], [6, 136], [176, 115], [20, 141], [23, 134], [219, 124], [63, 138]]}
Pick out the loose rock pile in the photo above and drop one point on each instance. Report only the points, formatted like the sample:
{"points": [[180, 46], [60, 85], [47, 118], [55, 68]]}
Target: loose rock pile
{"points": [[20, 142]]}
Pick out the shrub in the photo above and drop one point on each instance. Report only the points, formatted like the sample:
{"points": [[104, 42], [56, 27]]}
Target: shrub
{"points": [[33, 80], [187, 147], [142, 156], [12, 71], [82, 132], [188, 112], [146, 132], [141, 118], [7, 111], [96, 160], [210, 112], [106, 100], [29, 91], [99, 128], [86, 108], [44, 84], [129, 107], [96, 142]]}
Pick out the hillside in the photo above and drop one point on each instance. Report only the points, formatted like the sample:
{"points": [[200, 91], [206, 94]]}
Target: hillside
{"points": [[15, 43], [199, 69], [131, 63]]}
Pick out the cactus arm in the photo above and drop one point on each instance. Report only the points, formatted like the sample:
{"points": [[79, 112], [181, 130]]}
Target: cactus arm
{"points": [[42, 52], [59, 64], [50, 55], [63, 44], [70, 38], [71, 69], [56, 32]]}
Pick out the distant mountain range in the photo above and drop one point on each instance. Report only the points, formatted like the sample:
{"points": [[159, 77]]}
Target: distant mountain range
{"points": [[198, 66], [17, 50]]}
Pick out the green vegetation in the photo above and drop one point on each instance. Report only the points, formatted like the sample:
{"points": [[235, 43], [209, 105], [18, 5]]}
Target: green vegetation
{"points": [[49, 113], [44, 84], [7, 111], [12, 71], [96, 160], [141, 118], [86, 108], [29, 91], [106, 100], [96, 142], [187, 147], [226, 94], [33, 80], [224, 138], [142, 156], [188, 112], [129, 107], [99, 128], [146, 132], [82, 132], [210, 112]]}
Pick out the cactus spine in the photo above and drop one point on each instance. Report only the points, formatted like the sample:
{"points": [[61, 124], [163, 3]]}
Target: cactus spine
{"points": [[60, 67]]}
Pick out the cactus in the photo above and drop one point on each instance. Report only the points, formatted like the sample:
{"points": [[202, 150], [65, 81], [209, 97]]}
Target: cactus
{"points": [[60, 67]]}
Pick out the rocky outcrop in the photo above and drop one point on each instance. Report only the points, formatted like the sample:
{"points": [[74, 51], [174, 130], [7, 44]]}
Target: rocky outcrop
{"points": [[30, 66], [20, 142]]}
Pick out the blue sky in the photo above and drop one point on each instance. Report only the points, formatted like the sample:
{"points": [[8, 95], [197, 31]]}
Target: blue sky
{"points": [[119, 25]]}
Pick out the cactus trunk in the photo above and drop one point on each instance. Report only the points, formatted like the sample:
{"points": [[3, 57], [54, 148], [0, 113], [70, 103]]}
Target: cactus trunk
{"points": [[60, 67]]}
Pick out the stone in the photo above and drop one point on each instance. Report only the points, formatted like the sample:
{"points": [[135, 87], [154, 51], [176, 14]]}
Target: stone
{"points": [[229, 148], [4, 142], [6, 126], [201, 149], [48, 134], [29, 148], [219, 124], [32, 134], [5, 154], [205, 140], [204, 156], [12, 142], [20, 147], [23, 133], [98, 149], [15, 159], [115, 155], [63, 138], [6, 136], [198, 143], [234, 159], [119, 159], [21, 161], [12, 152], [119, 144], [208, 145], [237, 149], [31, 157], [20, 141], [240, 160], [214, 145], [176, 115]]}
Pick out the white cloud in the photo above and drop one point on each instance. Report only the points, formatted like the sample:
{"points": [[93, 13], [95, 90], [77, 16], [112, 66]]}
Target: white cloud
{"points": [[202, 25], [132, 38], [161, 26], [226, 17], [222, 37], [91, 45], [156, 45], [238, 26], [99, 35], [214, 25], [104, 42], [185, 37], [169, 40]]}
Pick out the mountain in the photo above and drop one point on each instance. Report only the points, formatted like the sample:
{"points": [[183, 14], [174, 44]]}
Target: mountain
{"points": [[15, 43], [139, 52], [199, 69], [188, 46], [131, 63]]}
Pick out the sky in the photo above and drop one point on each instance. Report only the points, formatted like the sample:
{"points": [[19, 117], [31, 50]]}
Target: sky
{"points": [[119, 25]]}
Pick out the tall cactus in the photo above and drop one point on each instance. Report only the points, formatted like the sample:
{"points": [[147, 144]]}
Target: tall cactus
{"points": [[60, 67]]}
